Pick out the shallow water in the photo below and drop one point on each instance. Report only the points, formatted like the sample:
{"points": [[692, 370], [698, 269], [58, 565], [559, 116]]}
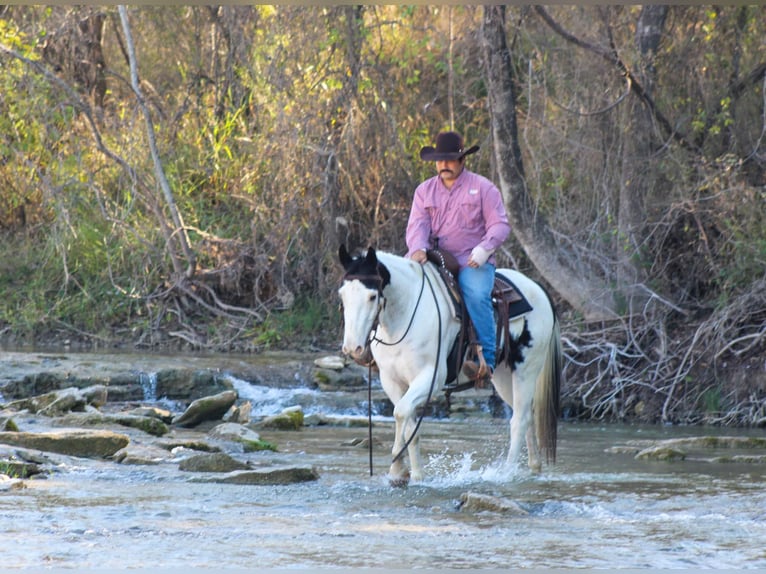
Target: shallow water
{"points": [[590, 510]]}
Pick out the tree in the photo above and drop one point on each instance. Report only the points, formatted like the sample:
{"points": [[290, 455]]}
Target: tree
{"points": [[574, 280]]}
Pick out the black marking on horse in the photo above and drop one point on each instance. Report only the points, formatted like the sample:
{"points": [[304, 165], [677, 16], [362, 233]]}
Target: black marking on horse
{"points": [[516, 346], [367, 269]]}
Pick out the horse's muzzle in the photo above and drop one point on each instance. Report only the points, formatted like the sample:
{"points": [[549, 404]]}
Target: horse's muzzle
{"points": [[360, 355]]}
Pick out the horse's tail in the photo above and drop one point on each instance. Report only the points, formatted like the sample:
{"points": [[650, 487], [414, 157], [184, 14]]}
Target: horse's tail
{"points": [[547, 393]]}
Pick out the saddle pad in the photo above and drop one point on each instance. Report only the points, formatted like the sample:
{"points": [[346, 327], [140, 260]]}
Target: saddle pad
{"points": [[505, 290]]}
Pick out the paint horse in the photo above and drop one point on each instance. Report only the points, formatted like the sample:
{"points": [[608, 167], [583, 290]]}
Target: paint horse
{"points": [[401, 312]]}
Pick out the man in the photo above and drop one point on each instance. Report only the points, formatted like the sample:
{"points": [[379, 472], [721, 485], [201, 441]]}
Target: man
{"points": [[463, 213]]}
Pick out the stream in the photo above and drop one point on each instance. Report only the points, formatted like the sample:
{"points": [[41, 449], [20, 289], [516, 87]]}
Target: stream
{"points": [[592, 509]]}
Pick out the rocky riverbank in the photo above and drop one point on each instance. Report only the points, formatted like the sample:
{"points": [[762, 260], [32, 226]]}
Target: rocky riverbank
{"points": [[94, 406]]}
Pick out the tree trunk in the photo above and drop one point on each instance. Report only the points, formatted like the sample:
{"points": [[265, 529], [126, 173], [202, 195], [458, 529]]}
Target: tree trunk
{"points": [[572, 279], [637, 165]]}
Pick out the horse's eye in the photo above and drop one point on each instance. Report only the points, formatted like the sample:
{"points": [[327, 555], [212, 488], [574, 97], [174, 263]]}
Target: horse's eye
{"points": [[373, 297]]}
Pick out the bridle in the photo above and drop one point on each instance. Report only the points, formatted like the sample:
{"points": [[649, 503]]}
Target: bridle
{"points": [[372, 337]]}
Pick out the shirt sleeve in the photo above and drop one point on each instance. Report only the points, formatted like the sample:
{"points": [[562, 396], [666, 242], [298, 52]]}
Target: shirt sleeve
{"points": [[496, 220], [418, 225]]}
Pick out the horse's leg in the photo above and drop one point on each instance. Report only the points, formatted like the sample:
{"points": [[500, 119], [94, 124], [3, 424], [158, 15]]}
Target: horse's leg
{"points": [[523, 396], [508, 388], [405, 413], [535, 461], [398, 472]]}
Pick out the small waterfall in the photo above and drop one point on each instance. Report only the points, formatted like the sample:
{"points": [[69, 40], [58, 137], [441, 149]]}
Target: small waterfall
{"points": [[149, 386]]}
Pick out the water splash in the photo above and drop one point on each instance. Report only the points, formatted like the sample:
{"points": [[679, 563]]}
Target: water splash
{"points": [[449, 470]]}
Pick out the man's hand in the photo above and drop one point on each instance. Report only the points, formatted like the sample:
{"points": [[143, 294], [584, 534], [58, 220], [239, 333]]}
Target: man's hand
{"points": [[419, 256], [478, 257]]}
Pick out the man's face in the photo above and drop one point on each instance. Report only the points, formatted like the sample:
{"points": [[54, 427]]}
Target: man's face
{"points": [[449, 169]]}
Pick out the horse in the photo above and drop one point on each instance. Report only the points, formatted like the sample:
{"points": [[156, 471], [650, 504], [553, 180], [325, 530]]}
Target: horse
{"points": [[401, 312]]}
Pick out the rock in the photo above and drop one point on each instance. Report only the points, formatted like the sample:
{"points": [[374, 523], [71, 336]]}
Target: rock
{"points": [[215, 462], [234, 432], [289, 419], [153, 412], [149, 425], [186, 384], [345, 380], [267, 476], [77, 442], [192, 445], [332, 362], [206, 409], [239, 414], [125, 387], [661, 453], [142, 454], [19, 468], [747, 458], [62, 401], [475, 502], [708, 442]]}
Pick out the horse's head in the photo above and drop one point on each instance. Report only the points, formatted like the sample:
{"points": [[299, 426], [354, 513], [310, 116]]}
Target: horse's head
{"points": [[361, 296]]}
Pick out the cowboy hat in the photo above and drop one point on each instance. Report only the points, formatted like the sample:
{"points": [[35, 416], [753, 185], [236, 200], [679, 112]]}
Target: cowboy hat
{"points": [[449, 146]]}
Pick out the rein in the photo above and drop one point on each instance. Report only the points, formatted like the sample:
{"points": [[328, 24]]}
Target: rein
{"points": [[374, 337], [433, 377]]}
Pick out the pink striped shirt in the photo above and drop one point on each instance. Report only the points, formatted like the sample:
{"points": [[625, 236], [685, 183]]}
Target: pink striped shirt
{"points": [[471, 213]]}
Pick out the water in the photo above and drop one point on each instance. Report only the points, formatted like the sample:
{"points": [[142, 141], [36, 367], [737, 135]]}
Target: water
{"points": [[591, 510]]}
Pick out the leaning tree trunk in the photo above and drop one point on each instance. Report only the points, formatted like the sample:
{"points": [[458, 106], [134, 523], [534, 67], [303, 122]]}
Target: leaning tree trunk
{"points": [[573, 280]]}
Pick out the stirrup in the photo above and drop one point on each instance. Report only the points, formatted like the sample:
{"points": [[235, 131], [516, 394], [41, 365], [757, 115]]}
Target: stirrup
{"points": [[480, 373]]}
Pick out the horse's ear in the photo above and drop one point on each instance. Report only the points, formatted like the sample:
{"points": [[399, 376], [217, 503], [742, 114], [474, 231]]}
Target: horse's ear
{"points": [[371, 258], [345, 258]]}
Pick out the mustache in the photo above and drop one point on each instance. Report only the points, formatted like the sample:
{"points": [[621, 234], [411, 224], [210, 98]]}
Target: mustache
{"points": [[445, 170]]}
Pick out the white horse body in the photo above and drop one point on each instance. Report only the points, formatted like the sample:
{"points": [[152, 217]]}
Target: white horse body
{"points": [[416, 326]]}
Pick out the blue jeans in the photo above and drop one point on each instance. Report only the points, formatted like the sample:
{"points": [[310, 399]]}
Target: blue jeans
{"points": [[476, 285]]}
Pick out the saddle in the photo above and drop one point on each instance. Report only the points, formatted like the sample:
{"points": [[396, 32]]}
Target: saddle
{"points": [[507, 301]]}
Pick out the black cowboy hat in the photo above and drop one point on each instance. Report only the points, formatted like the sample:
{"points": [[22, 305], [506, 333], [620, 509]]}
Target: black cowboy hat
{"points": [[449, 146]]}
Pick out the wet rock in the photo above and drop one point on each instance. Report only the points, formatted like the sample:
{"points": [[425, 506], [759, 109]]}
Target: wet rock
{"points": [[233, 432], [61, 401], [475, 502], [189, 384], [289, 419], [248, 438], [215, 462], [154, 412], [149, 425], [332, 362], [191, 445], [661, 453], [746, 458], [349, 379], [709, 442], [239, 414], [266, 476], [206, 409], [319, 419], [124, 387], [77, 442], [141, 454]]}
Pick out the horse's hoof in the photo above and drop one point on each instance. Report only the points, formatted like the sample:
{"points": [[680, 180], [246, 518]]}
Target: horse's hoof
{"points": [[399, 481]]}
